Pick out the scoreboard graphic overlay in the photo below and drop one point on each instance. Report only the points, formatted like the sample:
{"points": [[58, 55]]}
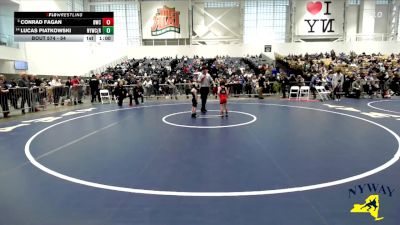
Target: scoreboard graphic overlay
{"points": [[63, 26]]}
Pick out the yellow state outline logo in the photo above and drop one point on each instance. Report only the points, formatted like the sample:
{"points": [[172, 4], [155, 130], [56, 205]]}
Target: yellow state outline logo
{"points": [[371, 206]]}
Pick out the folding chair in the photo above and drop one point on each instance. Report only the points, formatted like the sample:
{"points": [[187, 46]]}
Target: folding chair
{"points": [[105, 94], [294, 90], [304, 93], [322, 93]]}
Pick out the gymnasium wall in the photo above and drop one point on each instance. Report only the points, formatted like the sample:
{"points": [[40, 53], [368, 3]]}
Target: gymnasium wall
{"points": [[11, 53], [282, 48], [7, 18], [7, 66], [7, 57], [70, 58], [358, 47]]}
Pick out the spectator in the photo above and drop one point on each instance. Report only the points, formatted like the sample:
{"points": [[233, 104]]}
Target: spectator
{"points": [[337, 84], [300, 81], [138, 93], [313, 83], [75, 89], [56, 90], [356, 87], [284, 83], [4, 96], [120, 92], [94, 84], [395, 84], [25, 86], [261, 86], [147, 84]]}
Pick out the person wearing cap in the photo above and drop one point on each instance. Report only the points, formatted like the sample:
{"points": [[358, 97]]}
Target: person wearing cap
{"points": [[205, 81]]}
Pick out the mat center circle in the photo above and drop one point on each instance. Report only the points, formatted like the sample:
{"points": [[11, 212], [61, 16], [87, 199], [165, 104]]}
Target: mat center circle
{"points": [[209, 120]]}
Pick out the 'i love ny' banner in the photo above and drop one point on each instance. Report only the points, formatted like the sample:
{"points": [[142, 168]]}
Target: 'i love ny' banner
{"points": [[319, 18]]}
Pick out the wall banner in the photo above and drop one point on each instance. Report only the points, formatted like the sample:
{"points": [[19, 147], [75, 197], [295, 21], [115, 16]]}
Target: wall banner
{"points": [[165, 19]]}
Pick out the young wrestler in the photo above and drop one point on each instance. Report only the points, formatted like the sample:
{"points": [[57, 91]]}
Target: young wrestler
{"points": [[194, 100], [223, 97]]}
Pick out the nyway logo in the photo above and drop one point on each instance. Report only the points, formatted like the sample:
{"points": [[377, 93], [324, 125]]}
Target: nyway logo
{"points": [[372, 203]]}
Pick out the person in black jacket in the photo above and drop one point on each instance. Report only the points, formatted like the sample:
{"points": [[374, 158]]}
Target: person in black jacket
{"points": [[261, 86], [25, 86], [284, 83], [395, 84], [156, 87], [94, 84], [3, 96], [138, 93], [120, 92]]}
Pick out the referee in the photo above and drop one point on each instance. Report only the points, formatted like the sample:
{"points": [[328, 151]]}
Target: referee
{"points": [[205, 81]]}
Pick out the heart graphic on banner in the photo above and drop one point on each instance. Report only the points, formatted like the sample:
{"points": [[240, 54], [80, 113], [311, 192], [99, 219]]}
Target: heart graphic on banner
{"points": [[314, 7]]}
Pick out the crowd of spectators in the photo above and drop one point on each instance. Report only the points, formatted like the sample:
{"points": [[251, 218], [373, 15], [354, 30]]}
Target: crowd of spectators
{"points": [[29, 92], [145, 77], [350, 75], [162, 76], [356, 75]]}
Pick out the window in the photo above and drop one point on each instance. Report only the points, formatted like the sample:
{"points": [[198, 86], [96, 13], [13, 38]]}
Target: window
{"points": [[70, 5], [75, 5], [266, 19], [398, 28], [353, 2], [228, 4], [126, 19], [383, 2], [78, 6]]}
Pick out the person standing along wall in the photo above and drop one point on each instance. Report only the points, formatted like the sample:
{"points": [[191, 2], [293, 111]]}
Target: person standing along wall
{"points": [[94, 84], [25, 86], [4, 96], [80, 89], [74, 89], [147, 84], [337, 83], [56, 90], [261, 86]]}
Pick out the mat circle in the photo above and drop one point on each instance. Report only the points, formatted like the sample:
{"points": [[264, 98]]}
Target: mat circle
{"points": [[164, 119], [378, 169], [385, 110]]}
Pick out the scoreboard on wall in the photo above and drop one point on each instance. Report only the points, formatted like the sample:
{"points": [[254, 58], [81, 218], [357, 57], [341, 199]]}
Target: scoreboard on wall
{"points": [[63, 26]]}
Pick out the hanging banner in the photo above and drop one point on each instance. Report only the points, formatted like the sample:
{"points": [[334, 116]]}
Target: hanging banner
{"points": [[319, 18], [165, 20]]}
